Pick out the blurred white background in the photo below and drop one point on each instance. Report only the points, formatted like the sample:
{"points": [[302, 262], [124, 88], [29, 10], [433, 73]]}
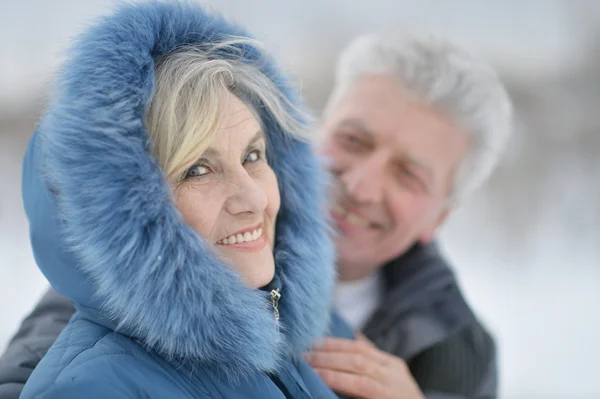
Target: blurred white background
{"points": [[525, 247]]}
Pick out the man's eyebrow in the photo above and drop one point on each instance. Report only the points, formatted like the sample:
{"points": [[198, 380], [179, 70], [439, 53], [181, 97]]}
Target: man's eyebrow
{"points": [[358, 125], [420, 165], [417, 163]]}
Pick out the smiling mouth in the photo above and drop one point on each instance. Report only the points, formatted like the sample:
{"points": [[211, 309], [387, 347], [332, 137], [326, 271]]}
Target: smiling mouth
{"points": [[351, 217], [248, 236], [251, 240]]}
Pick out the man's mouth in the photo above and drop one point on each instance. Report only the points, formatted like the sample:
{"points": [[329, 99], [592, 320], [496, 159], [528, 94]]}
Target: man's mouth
{"points": [[350, 217]]}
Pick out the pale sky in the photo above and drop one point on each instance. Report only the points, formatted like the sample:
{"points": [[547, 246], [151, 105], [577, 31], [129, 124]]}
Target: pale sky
{"points": [[528, 35]]}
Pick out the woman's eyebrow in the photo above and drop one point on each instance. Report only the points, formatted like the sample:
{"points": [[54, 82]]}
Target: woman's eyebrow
{"points": [[258, 136], [212, 153]]}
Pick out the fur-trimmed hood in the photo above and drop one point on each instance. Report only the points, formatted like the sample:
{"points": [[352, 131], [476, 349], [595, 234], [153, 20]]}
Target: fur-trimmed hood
{"points": [[106, 234]]}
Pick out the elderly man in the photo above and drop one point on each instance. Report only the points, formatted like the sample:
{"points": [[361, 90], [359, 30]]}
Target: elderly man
{"points": [[412, 127]]}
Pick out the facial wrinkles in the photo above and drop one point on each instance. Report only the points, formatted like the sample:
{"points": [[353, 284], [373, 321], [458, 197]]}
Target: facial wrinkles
{"points": [[224, 181], [386, 212], [397, 136], [234, 193], [371, 206], [241, 182], [371, 169]]}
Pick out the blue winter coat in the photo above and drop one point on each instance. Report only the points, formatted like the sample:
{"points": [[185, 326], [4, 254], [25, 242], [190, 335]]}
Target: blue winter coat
{"points": [[158, 315]]}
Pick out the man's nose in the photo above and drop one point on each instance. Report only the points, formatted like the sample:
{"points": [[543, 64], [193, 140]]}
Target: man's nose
{"points": [[364, 182]]}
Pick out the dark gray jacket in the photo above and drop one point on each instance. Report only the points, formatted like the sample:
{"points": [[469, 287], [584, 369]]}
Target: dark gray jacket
{"points": [[423, 319], [37, 333]]}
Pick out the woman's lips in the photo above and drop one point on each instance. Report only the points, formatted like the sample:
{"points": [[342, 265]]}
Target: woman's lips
{"points": [[249, 241]]}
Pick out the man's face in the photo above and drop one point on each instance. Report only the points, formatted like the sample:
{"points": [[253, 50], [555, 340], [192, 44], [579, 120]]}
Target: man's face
{"points": [[393, 159]]}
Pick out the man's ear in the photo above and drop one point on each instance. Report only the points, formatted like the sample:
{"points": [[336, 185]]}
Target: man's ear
{"points": [[428, 234]]}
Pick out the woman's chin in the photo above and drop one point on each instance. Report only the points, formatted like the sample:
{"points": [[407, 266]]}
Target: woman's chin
{"points": [[259, 278], [256, 268]]}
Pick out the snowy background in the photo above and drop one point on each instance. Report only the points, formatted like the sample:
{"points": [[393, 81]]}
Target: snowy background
{"points": [[525, 247]]}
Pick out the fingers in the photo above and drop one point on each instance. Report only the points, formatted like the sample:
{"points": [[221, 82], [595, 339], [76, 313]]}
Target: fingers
{"points": [[358, 386], [361, 338], [334, 345], [329, 344], [360, 370], [360, 346], [355, 363]]}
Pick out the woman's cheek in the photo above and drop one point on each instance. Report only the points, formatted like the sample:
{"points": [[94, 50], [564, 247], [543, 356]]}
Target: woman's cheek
{"points": [[199, 210]]}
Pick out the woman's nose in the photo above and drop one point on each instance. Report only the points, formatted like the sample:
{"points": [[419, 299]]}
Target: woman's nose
{"points": [[247, 195]]}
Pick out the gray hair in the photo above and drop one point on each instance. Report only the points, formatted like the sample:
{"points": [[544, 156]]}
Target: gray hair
{"points": [[449, 80]]}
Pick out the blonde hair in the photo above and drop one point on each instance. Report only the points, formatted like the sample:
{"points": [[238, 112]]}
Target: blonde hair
{"points": [[191, 87]]}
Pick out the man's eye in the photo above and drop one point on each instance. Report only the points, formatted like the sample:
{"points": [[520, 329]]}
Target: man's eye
{"points": [[352, 143], [352, 139], [406, 176], [197, 170]]}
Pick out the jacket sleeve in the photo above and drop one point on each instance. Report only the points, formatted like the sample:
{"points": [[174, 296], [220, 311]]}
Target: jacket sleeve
{"points": [[85, 389], [463, 366], [36, 334], [109, 376]]}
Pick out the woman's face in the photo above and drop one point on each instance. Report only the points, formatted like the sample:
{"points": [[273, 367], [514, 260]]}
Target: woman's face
{"points": [[231, 198]]}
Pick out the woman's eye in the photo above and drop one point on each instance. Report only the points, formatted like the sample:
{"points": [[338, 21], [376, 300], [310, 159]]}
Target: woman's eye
{"points": [[253, 156], [197, 170]]}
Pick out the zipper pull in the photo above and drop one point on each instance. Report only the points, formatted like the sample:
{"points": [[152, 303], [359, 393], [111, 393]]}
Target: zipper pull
{"points": [[275, 296]]}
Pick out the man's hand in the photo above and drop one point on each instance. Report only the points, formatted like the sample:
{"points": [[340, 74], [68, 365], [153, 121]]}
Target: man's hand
{"points": [[360, 370]]}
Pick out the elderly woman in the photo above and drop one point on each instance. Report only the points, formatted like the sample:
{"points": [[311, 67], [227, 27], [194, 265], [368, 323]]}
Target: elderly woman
{"points": [[171, 196]]}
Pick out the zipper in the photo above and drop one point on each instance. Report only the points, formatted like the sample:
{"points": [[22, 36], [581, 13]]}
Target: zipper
{"points": [[275, 295], [284, 390]]}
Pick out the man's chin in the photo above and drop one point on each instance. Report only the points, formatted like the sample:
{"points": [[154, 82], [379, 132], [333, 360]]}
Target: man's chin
{"points": [[355, 245], [353, 263], [348, 272]]}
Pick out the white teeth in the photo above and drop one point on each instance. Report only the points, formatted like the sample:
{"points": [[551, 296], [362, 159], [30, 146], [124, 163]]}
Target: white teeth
{"points": [[239, 238], [356, 220], [338, 208], [353, 218]]}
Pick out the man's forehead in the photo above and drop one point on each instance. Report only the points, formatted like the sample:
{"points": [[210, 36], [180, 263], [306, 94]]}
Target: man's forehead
{"points": [[380, 109]]}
